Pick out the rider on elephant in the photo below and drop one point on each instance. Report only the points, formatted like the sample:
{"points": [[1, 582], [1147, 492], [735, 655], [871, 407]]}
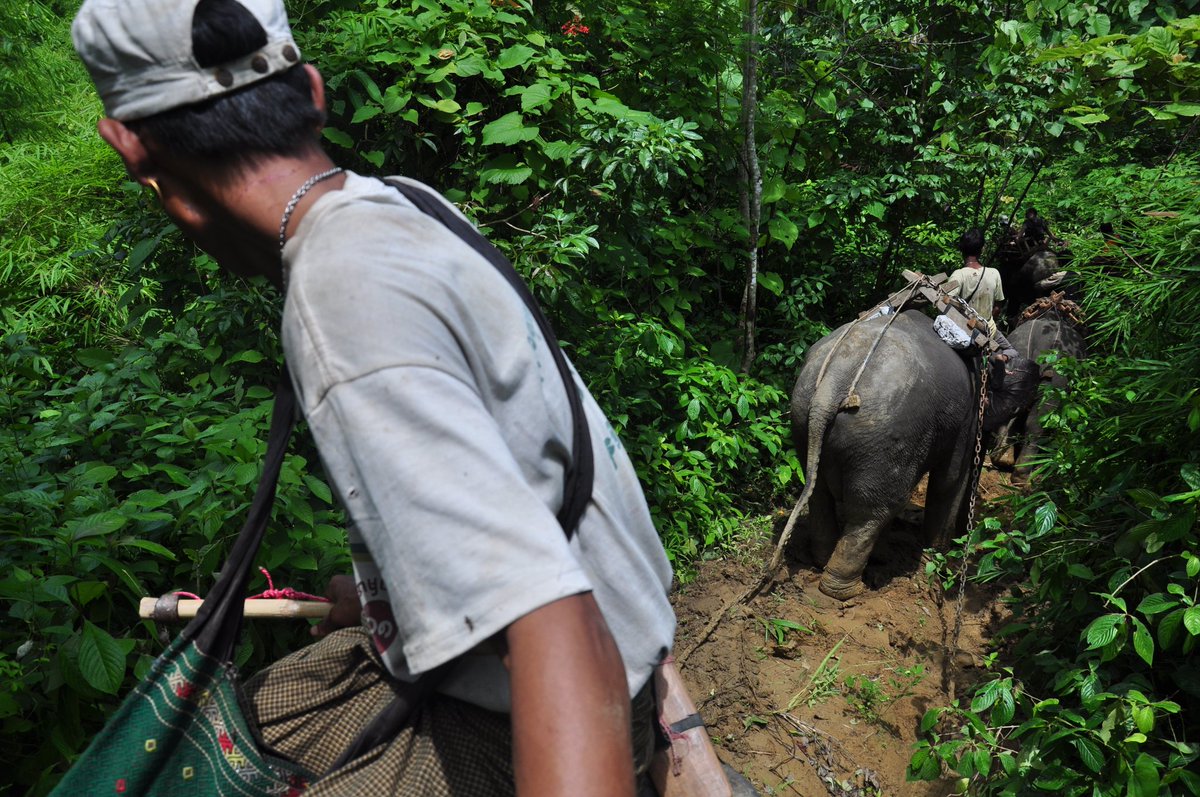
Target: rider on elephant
{"points": [[978, 285]]}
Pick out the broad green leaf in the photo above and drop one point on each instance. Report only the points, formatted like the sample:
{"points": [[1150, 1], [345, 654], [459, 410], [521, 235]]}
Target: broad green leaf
{"points": [[99, 474], [1143, 718], [97, 525], [875, 209], [508, 129], [1143, 643], [1089, 753], [93, 358], [335, 136], [771, 282], [560, 150], [101, 660], [784, 230], [366, 112], [1144, 779], [1103, 630], [825, 99], [773, 190], [147, 545], [248, 356], [395, 98], [923, 766], [470, 65], [318, 488], [1168, 628], [142, 250], [505, 175], [1183, 108], [986, 696], [536, 96], [1158, 602], [1005, 707], [517, 55], [1044, 518], [1191, 620]]}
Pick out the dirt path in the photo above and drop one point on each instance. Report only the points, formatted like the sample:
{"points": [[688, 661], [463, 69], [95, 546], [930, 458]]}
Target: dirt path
{"points": [[811, 696]]}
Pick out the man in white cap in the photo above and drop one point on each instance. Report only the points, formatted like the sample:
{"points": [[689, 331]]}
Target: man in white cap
{"points": [[433, 403]]}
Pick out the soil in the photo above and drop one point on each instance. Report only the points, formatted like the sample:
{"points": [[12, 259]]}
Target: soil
{"points": [[807, 695]]}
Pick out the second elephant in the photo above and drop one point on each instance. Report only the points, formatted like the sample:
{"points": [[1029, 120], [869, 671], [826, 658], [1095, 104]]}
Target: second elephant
{"points": [[1054, 330], [916, 413]]}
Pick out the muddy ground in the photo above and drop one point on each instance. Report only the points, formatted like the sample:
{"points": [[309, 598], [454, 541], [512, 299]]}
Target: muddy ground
{"points": [[811, 696]]}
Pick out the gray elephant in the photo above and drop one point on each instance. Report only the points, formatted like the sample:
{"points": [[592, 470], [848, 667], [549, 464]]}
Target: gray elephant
{"points": [[913, 411], [1054, 330]]}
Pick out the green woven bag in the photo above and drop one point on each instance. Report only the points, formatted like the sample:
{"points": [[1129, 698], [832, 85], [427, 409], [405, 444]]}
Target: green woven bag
{"points": [[183, 730]]}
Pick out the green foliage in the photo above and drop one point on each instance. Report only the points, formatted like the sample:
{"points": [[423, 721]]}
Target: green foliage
{"points": [[871, 697], [1103, 690], [128, 476], [134, 389]]}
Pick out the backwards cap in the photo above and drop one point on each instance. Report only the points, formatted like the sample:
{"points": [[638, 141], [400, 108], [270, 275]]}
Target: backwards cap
{"points": [[139, 53]]}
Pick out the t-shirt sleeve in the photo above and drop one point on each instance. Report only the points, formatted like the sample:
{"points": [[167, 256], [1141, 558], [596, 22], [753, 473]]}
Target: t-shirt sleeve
{"points": [[999, 293], [461, 541], [957, 289]]}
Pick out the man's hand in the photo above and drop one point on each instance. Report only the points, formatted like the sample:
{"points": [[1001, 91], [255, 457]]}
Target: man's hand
{"points": [[346, 610], [570, 703]]}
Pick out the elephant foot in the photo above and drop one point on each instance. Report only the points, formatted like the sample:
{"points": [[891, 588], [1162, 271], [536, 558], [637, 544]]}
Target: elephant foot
{"points": [[841, 589]]}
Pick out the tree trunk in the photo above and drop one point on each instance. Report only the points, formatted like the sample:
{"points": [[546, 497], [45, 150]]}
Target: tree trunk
{"points": [[751, 186]]}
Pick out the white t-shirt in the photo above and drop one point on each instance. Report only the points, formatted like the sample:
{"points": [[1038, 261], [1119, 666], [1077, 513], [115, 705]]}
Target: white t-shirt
{"points": [[981, 287], [444, 426]]}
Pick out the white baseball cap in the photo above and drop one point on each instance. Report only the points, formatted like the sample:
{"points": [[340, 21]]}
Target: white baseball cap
{"points": [[139, 53]]}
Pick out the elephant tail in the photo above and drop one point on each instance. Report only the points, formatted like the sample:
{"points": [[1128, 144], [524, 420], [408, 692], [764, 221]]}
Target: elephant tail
{"points": [[821, 412]]}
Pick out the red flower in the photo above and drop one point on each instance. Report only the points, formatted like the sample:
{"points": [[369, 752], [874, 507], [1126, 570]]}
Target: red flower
{"points": [[120, 785], [573, 28]]}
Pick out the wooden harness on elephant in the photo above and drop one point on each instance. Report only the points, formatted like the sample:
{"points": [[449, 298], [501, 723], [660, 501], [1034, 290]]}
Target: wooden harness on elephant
{"points": [[1057, 300]]}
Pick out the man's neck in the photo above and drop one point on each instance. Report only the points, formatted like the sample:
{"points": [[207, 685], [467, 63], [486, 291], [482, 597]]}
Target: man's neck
{"points": [[972, 262], [249, 205]]}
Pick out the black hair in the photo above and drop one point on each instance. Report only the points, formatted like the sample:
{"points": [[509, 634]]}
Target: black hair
{"points": [[274, 116], [1030, 213], [971, 242]]}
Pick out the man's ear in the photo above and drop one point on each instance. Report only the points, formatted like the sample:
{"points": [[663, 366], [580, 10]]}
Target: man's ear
{"points": [[316, 88], [129, 146]]}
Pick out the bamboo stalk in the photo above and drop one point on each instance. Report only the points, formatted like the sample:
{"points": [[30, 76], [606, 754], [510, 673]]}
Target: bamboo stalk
{"points": [[258, 607]]}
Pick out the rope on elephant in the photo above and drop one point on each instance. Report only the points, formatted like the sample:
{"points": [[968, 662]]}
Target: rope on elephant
{"points": [[852, 401]]}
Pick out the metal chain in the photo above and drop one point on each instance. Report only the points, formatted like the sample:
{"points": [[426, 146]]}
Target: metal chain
{"points": [[977, 469]]}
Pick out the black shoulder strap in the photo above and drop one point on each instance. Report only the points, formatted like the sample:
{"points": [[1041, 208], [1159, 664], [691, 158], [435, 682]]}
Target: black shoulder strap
{"points": [[218, 623], [982, 274], [577, 485]]}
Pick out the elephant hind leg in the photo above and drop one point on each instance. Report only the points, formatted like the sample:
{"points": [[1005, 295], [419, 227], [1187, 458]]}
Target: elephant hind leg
{"points": [[842, 578], [822, 525]]}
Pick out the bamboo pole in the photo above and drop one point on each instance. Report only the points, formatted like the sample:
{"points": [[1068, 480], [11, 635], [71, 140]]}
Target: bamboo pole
{"points": [[258, 607]]}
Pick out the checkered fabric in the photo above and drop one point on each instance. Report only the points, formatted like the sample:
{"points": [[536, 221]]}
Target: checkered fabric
{"points": [[311, 705]]}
